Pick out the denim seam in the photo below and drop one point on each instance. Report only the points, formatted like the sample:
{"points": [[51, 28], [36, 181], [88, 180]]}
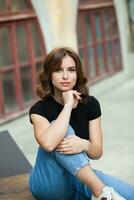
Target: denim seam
{"points": [[81, 166]]}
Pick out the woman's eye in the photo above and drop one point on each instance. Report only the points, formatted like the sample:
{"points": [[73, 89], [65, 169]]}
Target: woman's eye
{"points": [[57, 70], [72, 70]]}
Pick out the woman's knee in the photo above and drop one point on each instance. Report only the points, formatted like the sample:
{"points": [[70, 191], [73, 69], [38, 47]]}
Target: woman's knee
{"points": [[71, 162], [70, 131]]}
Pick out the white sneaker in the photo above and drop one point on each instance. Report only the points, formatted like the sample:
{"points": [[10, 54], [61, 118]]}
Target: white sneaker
{"points": [[109, 193]]}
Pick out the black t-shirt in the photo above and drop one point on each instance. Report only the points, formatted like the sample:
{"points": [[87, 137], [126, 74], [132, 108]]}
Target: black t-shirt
{"points": [[80, 116]]}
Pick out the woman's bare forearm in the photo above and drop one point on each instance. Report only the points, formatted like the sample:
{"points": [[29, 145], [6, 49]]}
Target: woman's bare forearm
{"points": [[94, 151], [57, 130]]}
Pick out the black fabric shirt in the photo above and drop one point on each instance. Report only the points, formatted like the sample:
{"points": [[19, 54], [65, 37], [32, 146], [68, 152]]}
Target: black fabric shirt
{"points": [[80, 116]]}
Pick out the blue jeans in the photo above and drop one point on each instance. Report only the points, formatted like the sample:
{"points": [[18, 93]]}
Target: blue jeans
{"points": [[53, 177]]}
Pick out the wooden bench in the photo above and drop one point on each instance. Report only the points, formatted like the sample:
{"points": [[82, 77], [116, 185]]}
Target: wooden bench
{"points": [[15, 188]]}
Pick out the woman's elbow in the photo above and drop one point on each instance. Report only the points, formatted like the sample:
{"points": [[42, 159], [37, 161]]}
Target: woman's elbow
{"points": [[46, 145], [99, 155]]}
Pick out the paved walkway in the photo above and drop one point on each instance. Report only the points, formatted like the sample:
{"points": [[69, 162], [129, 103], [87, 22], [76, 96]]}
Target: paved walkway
{"points": [[118, 127]]}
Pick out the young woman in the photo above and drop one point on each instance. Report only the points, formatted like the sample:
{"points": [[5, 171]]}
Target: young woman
{"points": [[67, 127]]}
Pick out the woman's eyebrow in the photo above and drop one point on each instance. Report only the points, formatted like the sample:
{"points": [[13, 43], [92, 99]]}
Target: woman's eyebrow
{"points": [[72, 67], [69, 67]]}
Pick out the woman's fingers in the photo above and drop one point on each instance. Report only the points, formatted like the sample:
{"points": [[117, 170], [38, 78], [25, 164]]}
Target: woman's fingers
{"points": [[70, 96], [77, 95], [65, 149], [67, 138], [64, 146]]}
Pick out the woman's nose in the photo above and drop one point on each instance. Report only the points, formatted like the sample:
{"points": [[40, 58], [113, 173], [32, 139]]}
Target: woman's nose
{"points": [[65, 76]]}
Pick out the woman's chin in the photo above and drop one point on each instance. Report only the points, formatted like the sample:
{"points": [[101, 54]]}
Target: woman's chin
{"points": [[65, 89]]}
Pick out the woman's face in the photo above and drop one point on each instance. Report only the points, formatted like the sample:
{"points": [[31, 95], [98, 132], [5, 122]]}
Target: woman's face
{"points": [[65, 78]]}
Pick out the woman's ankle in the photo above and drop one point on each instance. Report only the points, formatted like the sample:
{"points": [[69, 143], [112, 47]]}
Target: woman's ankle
{"points": [[89, 178], [97, 191]]}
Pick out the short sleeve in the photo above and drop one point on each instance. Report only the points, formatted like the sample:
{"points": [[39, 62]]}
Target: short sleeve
{"points": [[93, 108], [37, 108]]}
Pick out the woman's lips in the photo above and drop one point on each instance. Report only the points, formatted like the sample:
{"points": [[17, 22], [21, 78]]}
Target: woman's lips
{"points": [[65, 83]]}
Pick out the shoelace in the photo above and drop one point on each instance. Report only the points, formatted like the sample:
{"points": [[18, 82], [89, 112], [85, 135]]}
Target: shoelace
{"points": [[106, 194], [110, 194]]}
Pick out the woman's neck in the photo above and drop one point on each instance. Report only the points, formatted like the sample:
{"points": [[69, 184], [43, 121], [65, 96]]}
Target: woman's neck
{"points": [[58, 97]]}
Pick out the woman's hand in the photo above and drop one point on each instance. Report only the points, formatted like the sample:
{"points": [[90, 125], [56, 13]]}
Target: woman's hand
{"points": [[72, 145], [71, 97]]}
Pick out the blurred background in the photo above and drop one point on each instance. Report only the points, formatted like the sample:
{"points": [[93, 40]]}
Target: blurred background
{"points": [[102, 32]]}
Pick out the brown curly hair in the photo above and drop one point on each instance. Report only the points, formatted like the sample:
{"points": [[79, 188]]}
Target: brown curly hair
{"points": [[52, 63]]}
